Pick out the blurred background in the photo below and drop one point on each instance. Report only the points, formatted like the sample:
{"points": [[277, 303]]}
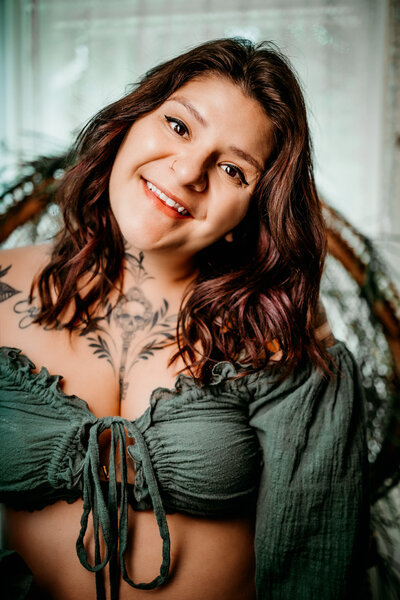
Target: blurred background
{"points": [[62, 60]]}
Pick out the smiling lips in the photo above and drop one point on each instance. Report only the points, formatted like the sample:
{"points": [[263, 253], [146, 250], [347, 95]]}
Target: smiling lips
{"points": [[181, 210]]}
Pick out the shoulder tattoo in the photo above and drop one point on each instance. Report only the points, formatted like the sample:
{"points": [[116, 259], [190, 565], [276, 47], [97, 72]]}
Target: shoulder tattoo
{"points": [[6, 290]]}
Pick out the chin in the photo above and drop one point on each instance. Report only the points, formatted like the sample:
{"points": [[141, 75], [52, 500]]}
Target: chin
{"points": [[141, 234]]}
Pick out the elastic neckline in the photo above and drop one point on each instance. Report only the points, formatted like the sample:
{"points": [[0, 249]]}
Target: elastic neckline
{"points": [[21, 364]]}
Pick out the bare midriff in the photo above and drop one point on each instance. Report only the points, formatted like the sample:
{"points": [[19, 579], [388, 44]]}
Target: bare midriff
{"points": [[210, 558]]}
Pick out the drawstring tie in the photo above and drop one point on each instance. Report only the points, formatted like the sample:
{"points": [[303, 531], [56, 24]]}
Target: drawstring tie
{"points": [[114, 531]]}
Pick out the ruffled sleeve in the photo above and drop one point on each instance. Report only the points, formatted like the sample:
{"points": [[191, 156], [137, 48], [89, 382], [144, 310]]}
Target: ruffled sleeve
{"points": [[313, 505]]}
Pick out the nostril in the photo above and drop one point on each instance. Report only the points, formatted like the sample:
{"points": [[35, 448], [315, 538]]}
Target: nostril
{"points": [[191, 171]]}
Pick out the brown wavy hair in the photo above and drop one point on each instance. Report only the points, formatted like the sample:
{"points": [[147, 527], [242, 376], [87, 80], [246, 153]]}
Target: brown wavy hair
{"points": [[263, 287]]}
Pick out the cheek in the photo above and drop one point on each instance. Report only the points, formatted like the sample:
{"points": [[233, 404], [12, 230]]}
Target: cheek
{"points": [[147, 143], [234, 213], [139, 147], [119, 174], [150, 144]]}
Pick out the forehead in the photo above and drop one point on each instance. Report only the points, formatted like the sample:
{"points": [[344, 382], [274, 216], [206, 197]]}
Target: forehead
{"points": [[219, 91]]}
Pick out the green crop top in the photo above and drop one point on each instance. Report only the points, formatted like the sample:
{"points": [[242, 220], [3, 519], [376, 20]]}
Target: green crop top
{"points": [[294, 449]]}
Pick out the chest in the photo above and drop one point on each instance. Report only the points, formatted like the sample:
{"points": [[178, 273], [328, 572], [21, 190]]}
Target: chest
{"points": [[115, 365], [196, 441], [113, 368]]}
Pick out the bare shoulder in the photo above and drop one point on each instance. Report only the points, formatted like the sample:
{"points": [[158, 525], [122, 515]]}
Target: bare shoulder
{"points": [[323, 331], [18, 266], [27, 257]]}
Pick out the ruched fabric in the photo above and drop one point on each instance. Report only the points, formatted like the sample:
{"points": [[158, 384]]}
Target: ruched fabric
{"points": [[294, 449], [193, 452], [105, 515]]}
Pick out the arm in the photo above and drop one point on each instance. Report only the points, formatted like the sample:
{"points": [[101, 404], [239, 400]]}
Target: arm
{"points": [[312, 513]]}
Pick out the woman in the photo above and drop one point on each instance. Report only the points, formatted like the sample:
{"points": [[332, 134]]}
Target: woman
{"points": [[187, 273]]}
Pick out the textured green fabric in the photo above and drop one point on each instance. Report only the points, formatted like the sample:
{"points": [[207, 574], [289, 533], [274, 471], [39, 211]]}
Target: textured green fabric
{"points": [[298, 443], [312, 524]]}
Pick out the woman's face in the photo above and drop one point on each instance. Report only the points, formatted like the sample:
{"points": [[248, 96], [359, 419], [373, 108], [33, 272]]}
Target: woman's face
{"points": [[184, 174]]}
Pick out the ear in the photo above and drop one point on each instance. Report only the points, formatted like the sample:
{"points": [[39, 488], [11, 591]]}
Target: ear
{"points": [[228, 237]]}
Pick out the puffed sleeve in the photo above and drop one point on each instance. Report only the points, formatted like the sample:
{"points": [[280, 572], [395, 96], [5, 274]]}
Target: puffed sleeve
{"points": [[312, 517]]}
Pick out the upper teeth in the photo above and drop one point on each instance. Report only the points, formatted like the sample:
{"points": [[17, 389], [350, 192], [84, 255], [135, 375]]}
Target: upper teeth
{"points": [[168, 201]]}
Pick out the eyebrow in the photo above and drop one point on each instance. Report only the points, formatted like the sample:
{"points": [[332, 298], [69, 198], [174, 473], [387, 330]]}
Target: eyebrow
{"points": [[191, 109], [247, 157], [238, 151]]}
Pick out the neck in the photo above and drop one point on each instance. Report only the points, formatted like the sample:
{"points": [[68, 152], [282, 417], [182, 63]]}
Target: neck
{"points": [[169, 271]]}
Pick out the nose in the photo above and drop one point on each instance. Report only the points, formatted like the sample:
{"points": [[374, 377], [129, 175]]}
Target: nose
{"points": [[191, 170]]}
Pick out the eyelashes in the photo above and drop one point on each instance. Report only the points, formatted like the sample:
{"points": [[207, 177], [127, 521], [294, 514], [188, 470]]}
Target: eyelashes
{"points": [[233, 172], [177, 125]]}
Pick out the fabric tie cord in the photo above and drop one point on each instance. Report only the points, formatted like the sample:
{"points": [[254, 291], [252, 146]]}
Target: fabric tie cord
{"points": [[114, 531]]}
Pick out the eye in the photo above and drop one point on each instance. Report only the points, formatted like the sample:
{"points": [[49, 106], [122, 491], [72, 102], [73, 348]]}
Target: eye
{"points": [[234, 173], [177, 125]]}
